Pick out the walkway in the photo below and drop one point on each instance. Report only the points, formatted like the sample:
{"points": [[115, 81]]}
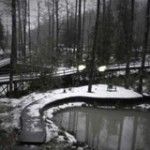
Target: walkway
{"points": [[4, 62]]}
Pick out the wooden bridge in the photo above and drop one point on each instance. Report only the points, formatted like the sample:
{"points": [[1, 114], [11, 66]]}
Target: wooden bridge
{"points": [[20, 80]]}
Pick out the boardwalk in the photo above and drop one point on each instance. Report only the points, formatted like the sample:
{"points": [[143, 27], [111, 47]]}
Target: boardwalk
{"points": [[4, 62]]}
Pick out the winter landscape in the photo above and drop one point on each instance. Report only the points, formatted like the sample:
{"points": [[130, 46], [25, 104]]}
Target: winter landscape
{"points": [[74, 74]]}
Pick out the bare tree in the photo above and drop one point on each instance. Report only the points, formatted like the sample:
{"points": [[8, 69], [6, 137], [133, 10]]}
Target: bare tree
{"points": [[20, 36], [92, 59], [83, 24], [24, 29], [29, 31], [53, 23], [145, 46], [49, 18], [75, 29], [79, 57], [129, 51], [67, 11], [38, 26], [57, 22], [13, 59]]}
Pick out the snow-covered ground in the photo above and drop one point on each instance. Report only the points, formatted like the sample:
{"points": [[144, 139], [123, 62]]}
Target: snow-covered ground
{"points": [[4, 62], [42, 99], [99, 91]]}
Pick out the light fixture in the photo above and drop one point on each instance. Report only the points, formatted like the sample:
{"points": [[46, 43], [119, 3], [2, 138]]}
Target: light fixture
{"points": [[81, 67], [102, 68]]}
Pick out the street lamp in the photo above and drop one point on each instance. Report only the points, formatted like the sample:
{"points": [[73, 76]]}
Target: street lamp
{"points": [[102, 68], [81, 67]]}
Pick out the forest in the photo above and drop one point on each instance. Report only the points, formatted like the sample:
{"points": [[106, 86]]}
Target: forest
{"points": [[66, 33], [74, 74]]}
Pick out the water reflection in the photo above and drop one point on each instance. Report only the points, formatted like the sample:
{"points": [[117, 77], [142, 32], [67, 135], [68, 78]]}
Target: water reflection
{"points": [[107, 129]]}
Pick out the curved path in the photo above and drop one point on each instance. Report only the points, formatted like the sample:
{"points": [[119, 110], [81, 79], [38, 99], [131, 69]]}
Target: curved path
{"points": [[33, 126]]}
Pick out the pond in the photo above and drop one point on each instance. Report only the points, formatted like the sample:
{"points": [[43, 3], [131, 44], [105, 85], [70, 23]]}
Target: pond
{"points": [[104, 129]]}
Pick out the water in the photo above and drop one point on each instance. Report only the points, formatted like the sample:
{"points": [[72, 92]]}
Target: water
{"points": [[107, 129]]}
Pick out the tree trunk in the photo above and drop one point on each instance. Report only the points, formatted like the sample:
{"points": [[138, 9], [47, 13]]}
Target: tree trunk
{"points": [[20, 38], [104, 10], [49, 19], [78, 54], [145, 46], [79, 57], [29, 31], [49, 46], [57, 23], [13, 59], [83, 24], [53, 25], [24, 32], [127, 80], [67, 11], [92, 62], [38, 28], [75, 31]]}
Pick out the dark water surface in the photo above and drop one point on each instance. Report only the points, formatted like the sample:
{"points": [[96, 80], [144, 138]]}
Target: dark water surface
{"points": [[107, 129]]}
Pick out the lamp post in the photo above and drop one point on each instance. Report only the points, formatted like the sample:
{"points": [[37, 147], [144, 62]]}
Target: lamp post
{"points": [[110, 86], [81, 67], [99, 69], [102, 68], [79, 70]]}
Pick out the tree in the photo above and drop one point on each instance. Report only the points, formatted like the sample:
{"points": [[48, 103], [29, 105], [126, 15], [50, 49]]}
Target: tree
{"points": [[122, 43], [75, 29], [38, 26], [24, 29], [1, 35], [49, 38], [20, 34], [29, 31], [92, 59], [57, 22], [79, 53], [145, 46], [130, 43], [13, 59], [105, 36], [53, 24], [83, 24]]}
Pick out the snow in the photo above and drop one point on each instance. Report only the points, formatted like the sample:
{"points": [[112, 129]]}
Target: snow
{"points": [[4, 62], [36, 101], [70, 138], [99, 91], [143, 106], [52, 131], [136, 64], [42, 99]]}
